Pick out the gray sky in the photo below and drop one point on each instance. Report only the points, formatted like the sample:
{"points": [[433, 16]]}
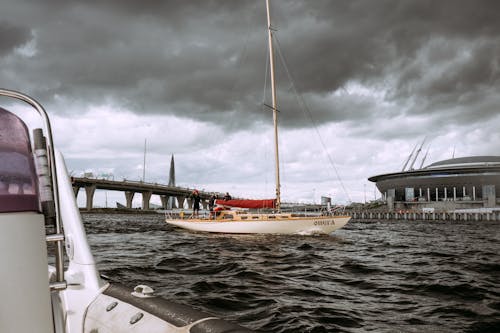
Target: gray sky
{"points": [[375, 77]]}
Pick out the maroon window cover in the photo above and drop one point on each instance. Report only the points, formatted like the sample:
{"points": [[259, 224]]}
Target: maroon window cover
{"points": [[18, 180]]}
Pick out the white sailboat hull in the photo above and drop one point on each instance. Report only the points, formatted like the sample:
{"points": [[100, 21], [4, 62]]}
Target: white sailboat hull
{"points": [[305, 225]]}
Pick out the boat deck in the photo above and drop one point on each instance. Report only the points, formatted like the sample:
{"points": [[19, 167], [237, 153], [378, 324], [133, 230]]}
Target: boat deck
{"points": [[241, 216]]}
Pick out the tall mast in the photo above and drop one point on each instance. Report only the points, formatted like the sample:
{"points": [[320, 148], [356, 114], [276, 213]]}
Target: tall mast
{"points": [[275, 107]]}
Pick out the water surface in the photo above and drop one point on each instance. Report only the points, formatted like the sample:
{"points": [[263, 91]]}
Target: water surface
{"points": [[402, 276]]}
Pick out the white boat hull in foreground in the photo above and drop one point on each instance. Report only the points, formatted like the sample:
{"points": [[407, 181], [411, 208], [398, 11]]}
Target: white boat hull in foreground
{"points": [[293, 225]]}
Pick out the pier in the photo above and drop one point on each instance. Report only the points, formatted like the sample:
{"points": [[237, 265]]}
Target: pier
{"points": [[425, 216], [130, 188]]}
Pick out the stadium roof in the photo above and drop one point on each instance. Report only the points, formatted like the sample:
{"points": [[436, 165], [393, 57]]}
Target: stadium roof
{"points": [[461, 162]]}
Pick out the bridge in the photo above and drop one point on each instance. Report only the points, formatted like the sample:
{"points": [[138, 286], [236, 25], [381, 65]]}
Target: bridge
{"points": [[130, 188]]}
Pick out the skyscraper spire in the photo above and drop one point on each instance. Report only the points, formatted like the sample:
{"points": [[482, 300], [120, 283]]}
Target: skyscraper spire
{"points": [[171, 176], [171, 182]]}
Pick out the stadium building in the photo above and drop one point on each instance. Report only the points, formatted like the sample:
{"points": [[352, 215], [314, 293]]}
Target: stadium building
{"points": [[458, 183]]}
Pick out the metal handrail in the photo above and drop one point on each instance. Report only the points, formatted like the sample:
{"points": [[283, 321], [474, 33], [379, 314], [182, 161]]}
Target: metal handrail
{"points": [[50, 151]]}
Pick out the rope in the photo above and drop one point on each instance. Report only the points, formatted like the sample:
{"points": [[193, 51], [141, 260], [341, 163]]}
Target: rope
{"points": [[301, 101]]}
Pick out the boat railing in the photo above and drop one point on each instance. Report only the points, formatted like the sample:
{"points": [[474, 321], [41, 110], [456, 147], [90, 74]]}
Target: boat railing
{"points": [[50, 181], [333, 211], [183, 215]]}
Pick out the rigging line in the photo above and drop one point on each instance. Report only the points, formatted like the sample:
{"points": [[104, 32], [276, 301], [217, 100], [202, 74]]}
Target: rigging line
{"points": [[240, 61], [301, 101], [244, 54]]}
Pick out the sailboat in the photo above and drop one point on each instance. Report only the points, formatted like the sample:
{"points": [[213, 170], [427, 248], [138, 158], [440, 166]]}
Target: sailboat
{"points": [[235, 216]]}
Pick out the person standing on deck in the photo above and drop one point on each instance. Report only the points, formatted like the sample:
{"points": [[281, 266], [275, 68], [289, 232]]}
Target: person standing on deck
{"points": [[227, 197], [195, 196], [211, 204]]}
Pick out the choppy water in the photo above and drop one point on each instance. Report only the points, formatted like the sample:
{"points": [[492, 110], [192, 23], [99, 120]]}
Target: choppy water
{"points": [[380, 277]]}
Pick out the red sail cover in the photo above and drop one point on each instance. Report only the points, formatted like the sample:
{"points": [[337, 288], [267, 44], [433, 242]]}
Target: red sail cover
{"points": [[248, 203]]}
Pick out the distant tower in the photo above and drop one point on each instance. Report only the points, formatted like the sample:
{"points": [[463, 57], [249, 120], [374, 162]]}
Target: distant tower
{"points": [[171, 182], [171, 177]]}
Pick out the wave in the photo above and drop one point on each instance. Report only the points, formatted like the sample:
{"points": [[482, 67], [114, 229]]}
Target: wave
{"points": [[387, 276]]}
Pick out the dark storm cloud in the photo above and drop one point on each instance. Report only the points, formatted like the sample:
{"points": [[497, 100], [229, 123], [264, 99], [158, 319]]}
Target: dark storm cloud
{"points": [[12, 36], [206, 59]]}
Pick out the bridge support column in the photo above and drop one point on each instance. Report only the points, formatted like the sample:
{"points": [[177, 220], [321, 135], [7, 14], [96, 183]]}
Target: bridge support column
{"points": [[190, 203], [164, 201], [171, 203], [76, 189], [145, 199], [180, 201], [128, 198], [89, 191]]}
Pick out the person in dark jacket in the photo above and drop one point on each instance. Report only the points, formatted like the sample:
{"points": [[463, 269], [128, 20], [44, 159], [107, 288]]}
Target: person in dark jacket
{"points": [[195, 196]]}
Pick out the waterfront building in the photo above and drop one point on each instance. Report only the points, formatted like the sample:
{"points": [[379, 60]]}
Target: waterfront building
{"points": [[457, 183]]}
